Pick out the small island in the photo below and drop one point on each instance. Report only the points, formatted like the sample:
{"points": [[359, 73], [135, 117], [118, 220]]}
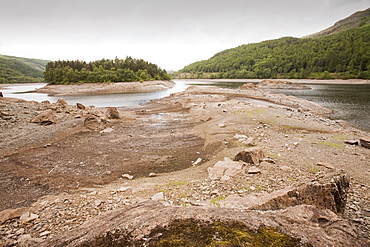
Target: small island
{"points": [[104, 76]]}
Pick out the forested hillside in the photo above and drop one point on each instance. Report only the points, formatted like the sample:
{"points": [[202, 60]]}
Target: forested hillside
{"points": [[105, 70], [342, 55], [21, 70]]}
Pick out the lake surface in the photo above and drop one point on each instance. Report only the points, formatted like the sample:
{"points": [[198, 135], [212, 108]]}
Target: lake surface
{"points": [[349, 102]]}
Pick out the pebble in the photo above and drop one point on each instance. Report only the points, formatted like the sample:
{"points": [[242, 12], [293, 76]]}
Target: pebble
{"points": [[128, 176]]}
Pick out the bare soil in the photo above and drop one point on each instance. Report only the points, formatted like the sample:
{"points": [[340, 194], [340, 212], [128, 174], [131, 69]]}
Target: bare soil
{"points": [[74, 173]]}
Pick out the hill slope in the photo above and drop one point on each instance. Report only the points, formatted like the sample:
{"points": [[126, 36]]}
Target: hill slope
{"points": [[21, 70], [344, 54], [359, 18]]}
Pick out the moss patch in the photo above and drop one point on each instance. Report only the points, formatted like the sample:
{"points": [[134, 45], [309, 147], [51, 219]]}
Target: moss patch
{"points": [[189, 233]]}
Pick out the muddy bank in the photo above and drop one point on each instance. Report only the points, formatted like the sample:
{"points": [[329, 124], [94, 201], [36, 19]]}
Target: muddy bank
{"points": [[68, 172], [105, 88]]}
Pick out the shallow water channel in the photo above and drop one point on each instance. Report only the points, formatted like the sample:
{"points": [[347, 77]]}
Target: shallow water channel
{"points": [[350, 102]]}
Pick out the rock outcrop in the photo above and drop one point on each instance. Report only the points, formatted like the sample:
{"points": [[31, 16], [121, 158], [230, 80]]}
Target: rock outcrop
{"points": [[331, 195], [147, 223]]}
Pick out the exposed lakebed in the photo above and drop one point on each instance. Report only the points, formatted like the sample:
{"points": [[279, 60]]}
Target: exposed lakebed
{"points": [[349, 102]]}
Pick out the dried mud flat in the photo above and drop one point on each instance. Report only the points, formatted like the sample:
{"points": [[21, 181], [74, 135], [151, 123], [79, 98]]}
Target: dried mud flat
{"points": [[65, 174]]}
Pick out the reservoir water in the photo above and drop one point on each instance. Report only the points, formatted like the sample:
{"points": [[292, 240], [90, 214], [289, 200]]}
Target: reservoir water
{"points": [[350, 102]]}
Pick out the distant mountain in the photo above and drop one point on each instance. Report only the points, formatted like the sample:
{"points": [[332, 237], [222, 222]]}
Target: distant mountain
{"points": [[21, 70], [342, 52], [357, 19]]}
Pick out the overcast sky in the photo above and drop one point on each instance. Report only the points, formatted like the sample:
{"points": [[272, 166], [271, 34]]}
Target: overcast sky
{"points": [[170, 33]]}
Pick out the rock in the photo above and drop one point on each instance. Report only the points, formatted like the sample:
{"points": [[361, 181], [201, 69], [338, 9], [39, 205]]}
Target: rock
{"points": [[158, 197], [365, 143], [62, 103], [139, 225], [197, 162], [127, 176], [351, 142], [326, 165], [125, 189], [152, 174], [222, 125], [27, 241], [252, 155], [331, 195], [46, 117], [1, 94], [215, 192], [45, 233], [27, 217], [112, 113], [107, 130], [245, 140], [240, 137], [80, 106], [9, 214], [253, 170], [93, 122], [226, 168]]}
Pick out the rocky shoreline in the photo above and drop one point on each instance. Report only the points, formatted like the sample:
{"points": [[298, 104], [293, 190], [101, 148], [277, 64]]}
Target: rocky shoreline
{"points": [[204, 155]]}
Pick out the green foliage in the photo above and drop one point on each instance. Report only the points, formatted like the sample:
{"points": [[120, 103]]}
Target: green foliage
{"points": [[342, 55], [105, 70], [21, 70]]}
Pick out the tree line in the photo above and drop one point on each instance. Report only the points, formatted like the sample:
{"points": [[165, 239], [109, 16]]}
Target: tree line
{"points": [[342, 55], [104, 70]]}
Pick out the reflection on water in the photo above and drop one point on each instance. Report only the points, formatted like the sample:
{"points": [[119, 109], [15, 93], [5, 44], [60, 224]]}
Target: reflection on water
{"points": [[349, 102]]}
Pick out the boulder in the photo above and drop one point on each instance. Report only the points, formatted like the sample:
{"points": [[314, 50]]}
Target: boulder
{"points": [[351, 142], [112, 113], [331, 195], [80, 106], [93, 122], [11, 213], [27, 217], [147, 223], [227, 167], [252, 155], [158, 197], [365, 143], [62, 103], [46, 117]]}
